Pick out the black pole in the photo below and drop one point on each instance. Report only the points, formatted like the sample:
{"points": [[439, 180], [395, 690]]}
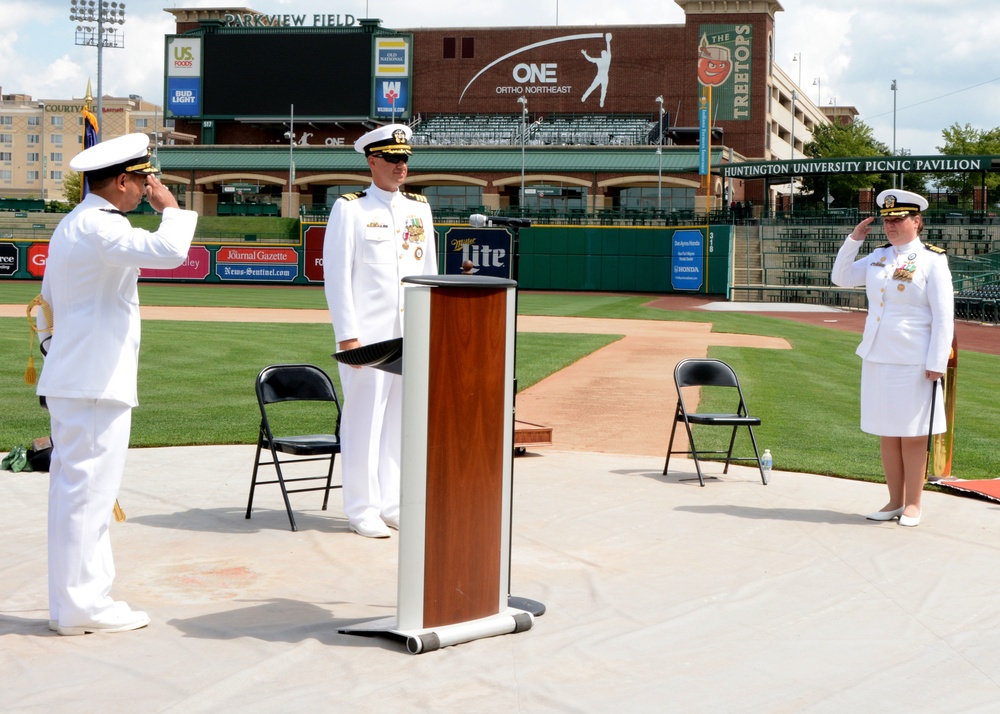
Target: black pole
{"points": [[521, 603], [930, 431]]}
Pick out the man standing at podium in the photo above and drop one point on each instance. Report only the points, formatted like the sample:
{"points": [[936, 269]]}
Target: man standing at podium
{"points": [[374, 239]]}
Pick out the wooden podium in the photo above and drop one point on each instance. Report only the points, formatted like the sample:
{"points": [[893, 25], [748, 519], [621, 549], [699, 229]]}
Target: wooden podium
{"points": [[457, 451]]}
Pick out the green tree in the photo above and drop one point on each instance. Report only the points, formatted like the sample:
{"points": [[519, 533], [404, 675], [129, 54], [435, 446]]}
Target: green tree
{"points": [[72, 188], [968, 141], [847, 141]]}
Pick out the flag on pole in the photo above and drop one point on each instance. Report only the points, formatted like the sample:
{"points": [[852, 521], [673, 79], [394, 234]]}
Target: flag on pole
{"points": [[90, 128]]}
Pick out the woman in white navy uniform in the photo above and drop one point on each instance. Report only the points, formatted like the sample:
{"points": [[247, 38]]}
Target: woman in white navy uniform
{"points": [[89, 376], [374, 239], [905, 346]]}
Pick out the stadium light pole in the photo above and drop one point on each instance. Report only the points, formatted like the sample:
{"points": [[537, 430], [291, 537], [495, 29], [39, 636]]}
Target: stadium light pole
{"points": [[524, 118], [290, 134], [41, 105], [102, 13], [893, 88], [819, 90], [791, 186], [797, 58], [659, 156]]}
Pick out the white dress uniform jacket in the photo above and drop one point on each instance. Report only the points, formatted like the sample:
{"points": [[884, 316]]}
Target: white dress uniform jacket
{"points": [[911, 302], [373, 241], [91, 283]]}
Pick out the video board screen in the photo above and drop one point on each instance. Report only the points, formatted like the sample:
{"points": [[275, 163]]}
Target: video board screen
{"points": [[262, 74]]}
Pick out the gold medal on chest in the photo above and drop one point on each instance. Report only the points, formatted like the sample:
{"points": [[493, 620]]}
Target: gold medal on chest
{"points": [[415, 229]]}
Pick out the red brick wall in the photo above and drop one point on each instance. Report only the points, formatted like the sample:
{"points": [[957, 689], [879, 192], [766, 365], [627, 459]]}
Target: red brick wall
{"points": [[646, 62]]}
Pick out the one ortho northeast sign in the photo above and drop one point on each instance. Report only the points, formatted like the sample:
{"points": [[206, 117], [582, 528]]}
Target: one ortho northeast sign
{"points": [[545, 78]]}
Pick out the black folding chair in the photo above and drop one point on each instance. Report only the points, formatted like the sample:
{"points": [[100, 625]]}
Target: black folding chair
{"points": [[711, 373], [296, 383]]}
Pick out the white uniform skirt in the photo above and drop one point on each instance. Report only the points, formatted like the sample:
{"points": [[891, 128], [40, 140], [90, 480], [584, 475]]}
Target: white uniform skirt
{"points": [[896, 400]]}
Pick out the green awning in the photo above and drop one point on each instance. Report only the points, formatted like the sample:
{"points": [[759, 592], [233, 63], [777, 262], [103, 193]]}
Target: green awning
{"points": [[437, 159]]}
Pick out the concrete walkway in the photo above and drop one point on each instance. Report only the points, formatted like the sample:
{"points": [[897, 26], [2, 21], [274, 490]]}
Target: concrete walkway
{"points": [[661, 596]]}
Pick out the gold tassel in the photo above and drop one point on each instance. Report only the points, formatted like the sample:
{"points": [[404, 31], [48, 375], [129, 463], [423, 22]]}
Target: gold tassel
{"points": [[30, 376]]}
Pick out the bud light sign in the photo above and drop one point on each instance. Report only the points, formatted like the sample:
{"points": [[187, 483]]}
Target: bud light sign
{"points": [[183, 96]]}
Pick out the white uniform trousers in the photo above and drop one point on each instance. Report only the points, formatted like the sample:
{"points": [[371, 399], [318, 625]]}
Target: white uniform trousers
{"points": [[371, 438], [89, 444]]}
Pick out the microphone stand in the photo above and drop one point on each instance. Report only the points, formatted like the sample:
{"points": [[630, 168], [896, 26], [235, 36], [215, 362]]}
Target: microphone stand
{"points": [[521, 603]]}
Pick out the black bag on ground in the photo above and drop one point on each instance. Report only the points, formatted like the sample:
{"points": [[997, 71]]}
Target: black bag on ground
{"points": [[40, 453]]}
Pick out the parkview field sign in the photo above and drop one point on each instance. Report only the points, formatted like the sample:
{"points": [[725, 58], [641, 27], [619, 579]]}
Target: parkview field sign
{"points": [[857, 165]]}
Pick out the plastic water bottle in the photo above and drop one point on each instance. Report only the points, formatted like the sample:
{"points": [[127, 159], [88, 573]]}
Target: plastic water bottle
{"points": [[765, 464]]}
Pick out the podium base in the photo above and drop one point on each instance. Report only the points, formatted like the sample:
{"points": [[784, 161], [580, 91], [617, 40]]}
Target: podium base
{"points": [[536, 608], [417, 641]]}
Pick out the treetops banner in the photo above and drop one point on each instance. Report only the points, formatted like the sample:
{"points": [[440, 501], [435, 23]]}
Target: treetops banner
{"points": [[857, 165], [725, 54]]}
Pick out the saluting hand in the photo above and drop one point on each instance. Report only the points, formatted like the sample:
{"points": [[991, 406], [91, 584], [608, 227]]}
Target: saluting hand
{"points": [[861, 230], [158, 195]]}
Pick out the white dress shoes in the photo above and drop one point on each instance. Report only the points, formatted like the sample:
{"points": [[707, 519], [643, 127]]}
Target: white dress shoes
{"points": [[886, 515], [119, 618], [391, 522], [370, 528], [909, 520]]}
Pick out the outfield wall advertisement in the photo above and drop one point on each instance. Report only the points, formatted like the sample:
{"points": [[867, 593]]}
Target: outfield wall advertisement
{"points": [[571, 258]]}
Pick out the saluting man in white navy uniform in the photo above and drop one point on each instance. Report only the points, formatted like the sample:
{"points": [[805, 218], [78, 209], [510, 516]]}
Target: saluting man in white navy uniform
{"points": [[89, 376], [905, 345], [374, 239]]}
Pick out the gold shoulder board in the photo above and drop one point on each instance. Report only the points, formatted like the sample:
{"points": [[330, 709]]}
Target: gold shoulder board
{"points": [[416, 197], [934, 248], [352, 196]]}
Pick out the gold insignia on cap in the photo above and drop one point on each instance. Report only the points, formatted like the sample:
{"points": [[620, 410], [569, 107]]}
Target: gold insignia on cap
{"points": [[890, 202], [399, 136]]}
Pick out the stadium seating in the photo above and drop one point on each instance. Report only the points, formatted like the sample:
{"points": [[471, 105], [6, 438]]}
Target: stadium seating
{"points": [[548, 130]]}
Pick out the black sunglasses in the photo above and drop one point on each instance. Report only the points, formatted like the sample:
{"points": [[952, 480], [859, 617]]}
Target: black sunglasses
{"points": [[393, 158]]}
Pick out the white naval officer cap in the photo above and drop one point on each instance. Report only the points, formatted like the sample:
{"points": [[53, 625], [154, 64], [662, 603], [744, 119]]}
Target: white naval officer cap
{"points": [[388, 139], [897, 202], [129, 154]]}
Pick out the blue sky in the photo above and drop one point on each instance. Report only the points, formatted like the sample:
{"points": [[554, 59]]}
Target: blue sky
{"points": [[939, 51]]}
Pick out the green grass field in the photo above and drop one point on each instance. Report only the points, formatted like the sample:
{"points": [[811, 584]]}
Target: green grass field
{"points": [[196, 378]]}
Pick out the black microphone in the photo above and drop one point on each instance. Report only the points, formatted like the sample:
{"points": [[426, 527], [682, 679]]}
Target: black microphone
{"points": [[478, 220]]}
